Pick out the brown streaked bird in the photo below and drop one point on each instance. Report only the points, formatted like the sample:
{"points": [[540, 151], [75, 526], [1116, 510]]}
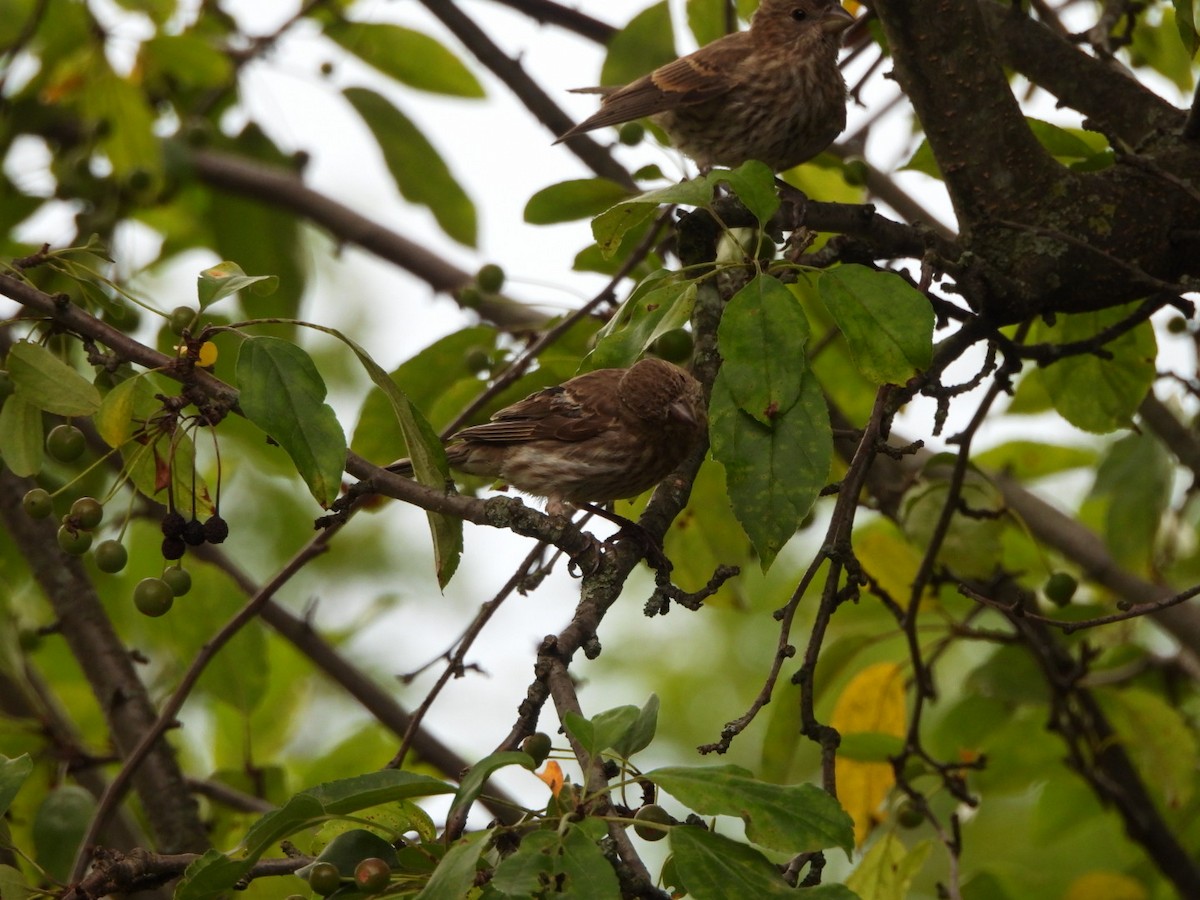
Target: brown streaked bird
{"points": [[773, 93], [604, 435]]}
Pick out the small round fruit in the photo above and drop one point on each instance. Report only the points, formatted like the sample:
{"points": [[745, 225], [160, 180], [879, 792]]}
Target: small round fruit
{"points": [[478, 360], [153, 597], [674, 345], [173, 548], [181, 319], [172, 525], [37, 503], [631, 134], [74, 541], [537, 745], [88, 512], [855, 172], [372, 875], [909, 815], [649, 816], [1060, 587], [490, 278], [470, 298], [179, 580], [324, 878], [1177, 325], [216, 530], [193, 533], [65, 443], [111, 556]]}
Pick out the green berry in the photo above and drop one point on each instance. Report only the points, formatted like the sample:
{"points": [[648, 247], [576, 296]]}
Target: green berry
{"points": [[111, 556], [179, 580], [490, 278], [65, 443], [470, 297], [88, 512], [855, 172], [1060, 587], [153, 597], [478, 360], [37, 503], [1177, 325], [74, 541], [649, 816], [631, 134], [909, 815], [181, 319], [372, 875], [674, 345], [324, 878], [537, 745]]}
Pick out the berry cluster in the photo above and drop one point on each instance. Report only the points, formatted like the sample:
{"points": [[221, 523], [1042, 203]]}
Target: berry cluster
{"points": [[180, 533]]}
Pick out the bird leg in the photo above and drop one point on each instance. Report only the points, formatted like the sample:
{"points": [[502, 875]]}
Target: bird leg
{"points": [[651, 549]]}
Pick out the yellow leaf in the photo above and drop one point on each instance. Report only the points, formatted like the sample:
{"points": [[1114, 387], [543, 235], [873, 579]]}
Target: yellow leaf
{"points": [[889, 558], [1109, 885], [873, 702], [553, 777]]}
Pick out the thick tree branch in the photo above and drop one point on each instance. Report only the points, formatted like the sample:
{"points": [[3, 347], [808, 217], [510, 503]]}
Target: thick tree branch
{"points": [[283, 188]]}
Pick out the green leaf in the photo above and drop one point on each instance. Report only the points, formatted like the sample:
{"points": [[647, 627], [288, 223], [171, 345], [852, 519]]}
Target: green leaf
{"points": [[13, 773], [714, 867], [706, 19], [1134, 480], [603, 730], [754, 184], [13, 885], [59, 826], [1160, 48], [351, 847], [1185, 24], [568, 201], [420, 174], [411, 57], [638, 736], [227, 278], [1099, 395], [521, 874], [472, 785], [215, 872], [589, 876], [117, 419], [923, 161], [1027, 460], [790, 818], [187, 60], [44, 380], [283, 394], [1159, 740], [22, 444], [653, 309], [774, 475], [888, 869], [869, 746], [762, 337], [646, 43], [888, 324], [120, 113], [455, 875]]}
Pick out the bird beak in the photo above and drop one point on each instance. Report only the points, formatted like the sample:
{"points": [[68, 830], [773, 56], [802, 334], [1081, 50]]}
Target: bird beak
{"points": [[837, 19], [683, 411]]}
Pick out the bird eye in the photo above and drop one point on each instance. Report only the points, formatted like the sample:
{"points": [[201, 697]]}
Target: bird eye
{"points": [[799, 15]]}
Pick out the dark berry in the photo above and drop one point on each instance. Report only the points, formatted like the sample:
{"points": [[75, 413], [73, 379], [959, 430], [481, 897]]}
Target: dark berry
{"points": [[216, 530], [172, 525], [179, 579], [193, 532], [37, 503], [153, 597], [173, 547], [88, 512], [111, 556], [324, 878], [65, 443]]}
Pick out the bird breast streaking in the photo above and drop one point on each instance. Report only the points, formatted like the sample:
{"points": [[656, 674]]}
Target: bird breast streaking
{"points": [[604, 435], [773, 93]]}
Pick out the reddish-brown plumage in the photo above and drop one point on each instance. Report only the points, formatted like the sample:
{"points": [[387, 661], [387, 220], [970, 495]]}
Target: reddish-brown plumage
{"points": [[604, 435], [773, 93]]}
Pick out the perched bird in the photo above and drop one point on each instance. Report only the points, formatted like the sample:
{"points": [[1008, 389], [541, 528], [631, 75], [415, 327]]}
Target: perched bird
{"points": [[773, 93], [605, 435]]}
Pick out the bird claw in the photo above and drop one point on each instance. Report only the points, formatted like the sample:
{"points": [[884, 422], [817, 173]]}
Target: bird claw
{"points": [[651, 550]]}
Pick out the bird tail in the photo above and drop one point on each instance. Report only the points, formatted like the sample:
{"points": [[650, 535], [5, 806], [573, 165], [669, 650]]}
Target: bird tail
{"points": [[401, 467]]}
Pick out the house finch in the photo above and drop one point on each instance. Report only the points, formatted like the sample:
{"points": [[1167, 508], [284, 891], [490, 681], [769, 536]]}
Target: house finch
{"points": [[773, 93], [604, 435]]}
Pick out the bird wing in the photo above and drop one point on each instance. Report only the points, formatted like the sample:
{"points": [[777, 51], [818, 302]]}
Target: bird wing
{"points": [[571, 412], [700, 76]]}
